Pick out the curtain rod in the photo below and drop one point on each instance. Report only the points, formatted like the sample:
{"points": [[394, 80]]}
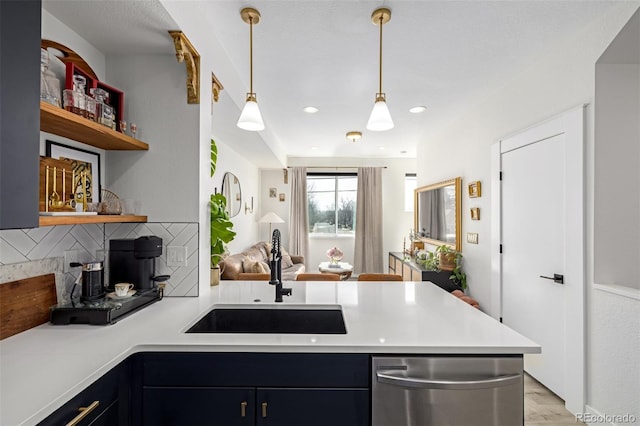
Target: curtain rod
{"points": [[333, 167]]}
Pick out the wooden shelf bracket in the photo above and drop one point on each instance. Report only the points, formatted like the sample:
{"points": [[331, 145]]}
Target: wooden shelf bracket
{"points": [[185, 52]]}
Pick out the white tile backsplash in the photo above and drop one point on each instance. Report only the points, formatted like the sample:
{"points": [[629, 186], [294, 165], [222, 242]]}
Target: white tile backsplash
{"points": [[31, 251]]}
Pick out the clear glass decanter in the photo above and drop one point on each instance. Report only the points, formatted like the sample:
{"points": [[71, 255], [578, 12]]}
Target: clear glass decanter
{"points": [[49, 83]]}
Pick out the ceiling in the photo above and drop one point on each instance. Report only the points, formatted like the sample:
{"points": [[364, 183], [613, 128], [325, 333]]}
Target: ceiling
{"points": [[445, 55]]}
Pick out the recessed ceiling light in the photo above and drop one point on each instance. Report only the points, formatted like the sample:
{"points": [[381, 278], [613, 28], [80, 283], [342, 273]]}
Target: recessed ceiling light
{"points": [[418, 109], [354, 135], [310, 109], [314, 147], [381, 147], [403, 152]]}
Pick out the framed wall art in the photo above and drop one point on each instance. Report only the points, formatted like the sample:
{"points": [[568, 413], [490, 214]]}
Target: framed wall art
{"points": [[475, 213], [82, 161], [475, 189], [273, 192]]}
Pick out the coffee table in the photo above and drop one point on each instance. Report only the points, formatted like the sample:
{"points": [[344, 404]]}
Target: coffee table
{"points": [[343, 269]]}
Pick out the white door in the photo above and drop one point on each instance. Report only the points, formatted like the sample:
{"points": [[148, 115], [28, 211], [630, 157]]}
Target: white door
{"points": [[538, 231], [533, 245]]}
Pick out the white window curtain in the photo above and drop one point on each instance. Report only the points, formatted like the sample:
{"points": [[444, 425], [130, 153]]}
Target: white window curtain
{"points": [[299, 217], [368, 255]]}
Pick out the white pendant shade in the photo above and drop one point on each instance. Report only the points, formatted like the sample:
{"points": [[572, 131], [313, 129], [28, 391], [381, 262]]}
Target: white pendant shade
{"points": [[380, 118], [251, 119]]}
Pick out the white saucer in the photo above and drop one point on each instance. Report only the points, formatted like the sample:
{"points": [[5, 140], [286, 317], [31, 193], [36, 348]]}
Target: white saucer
{"points": [[113, 295]]}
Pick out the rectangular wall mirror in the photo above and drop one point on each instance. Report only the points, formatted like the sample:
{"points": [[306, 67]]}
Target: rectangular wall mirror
{"points": [[437, 213]]}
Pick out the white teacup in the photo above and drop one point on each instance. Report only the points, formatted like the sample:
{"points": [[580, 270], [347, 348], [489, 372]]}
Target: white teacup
{"points": [[122, 289]]}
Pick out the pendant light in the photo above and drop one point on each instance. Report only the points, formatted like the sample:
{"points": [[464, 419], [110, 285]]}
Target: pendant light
{"points": [[380, 118], [250, 118]]}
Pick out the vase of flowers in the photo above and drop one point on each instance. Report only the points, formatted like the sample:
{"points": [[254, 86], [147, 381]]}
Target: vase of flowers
{"points": [[335, 256]]}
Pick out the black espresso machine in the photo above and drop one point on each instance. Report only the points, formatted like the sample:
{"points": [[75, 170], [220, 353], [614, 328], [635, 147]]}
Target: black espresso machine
{"points": [[134, 261], [130, 261]]}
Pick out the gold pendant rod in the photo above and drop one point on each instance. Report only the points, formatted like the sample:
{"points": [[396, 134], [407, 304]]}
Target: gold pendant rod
{"points": [[251, 54], [380, 74]]}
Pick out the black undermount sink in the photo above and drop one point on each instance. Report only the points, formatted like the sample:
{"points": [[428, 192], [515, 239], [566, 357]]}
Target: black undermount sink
{"points": [[272, 319]]}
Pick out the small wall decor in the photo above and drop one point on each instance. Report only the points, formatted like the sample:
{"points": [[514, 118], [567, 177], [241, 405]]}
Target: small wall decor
{"points": [[475, 189], [273, 192], [285, 173], [281, 196], [475, 213]]}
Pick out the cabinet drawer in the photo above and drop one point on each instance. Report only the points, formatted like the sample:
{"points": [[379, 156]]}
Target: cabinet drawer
{"points": [[104, 390], [255, 369]]}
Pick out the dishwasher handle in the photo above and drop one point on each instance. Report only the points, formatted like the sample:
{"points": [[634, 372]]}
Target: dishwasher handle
{"points": [[415, 382]]}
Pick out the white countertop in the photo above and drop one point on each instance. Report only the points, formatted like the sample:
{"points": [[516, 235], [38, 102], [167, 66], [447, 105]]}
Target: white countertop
{"points": [[42, 368]]}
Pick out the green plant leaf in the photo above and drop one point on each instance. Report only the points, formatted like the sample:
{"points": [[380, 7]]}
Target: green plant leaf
{"points": [[214, 156], [221, 227]]}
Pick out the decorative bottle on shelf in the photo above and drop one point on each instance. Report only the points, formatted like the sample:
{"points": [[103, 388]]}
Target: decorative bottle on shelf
{"points": [[104, 112], [49, 83], [76, 100]]}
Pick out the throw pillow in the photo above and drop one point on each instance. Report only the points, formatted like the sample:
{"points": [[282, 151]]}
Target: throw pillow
{"points": [[286, 259], [249, 265], [265, 268]]}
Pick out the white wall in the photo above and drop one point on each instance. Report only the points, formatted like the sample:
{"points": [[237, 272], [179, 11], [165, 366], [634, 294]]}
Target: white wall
{"points": [[561, 79], [164, 178], [245, 223], [274, 179], [396, 222], [54, 30], [617, 174]]}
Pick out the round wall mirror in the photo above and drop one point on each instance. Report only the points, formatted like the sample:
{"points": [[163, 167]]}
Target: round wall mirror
{"points": [[233, 194]]}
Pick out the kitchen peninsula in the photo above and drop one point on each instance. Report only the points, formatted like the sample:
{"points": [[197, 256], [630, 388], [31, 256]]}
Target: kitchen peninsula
{"points": [[43, 368]]}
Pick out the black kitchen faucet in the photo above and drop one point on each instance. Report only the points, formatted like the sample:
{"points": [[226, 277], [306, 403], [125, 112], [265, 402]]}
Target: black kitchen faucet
{"points": [[276, 267]]}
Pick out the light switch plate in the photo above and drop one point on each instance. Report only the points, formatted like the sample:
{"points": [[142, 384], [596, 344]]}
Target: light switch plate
{"points": [[472, 237], [176, 256]]}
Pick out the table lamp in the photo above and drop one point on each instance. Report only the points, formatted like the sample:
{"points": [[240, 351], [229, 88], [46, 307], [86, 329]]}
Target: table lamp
{"points": [[270, 218]]}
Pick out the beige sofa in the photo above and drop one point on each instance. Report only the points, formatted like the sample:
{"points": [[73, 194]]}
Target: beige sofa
{"points": [[256, 258]]}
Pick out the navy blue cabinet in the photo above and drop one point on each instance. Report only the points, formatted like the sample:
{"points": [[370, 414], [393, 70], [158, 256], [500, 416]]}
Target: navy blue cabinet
{"points": [[198, 406], [104, 402], [255, 389], [312, 407], [20, 23]]}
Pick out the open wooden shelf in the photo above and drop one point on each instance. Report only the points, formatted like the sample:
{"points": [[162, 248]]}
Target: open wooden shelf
{"points": [[74, 220], [64, 123]]}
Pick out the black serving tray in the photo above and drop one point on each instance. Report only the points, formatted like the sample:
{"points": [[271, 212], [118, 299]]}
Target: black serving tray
{"points": [[102, 311]]}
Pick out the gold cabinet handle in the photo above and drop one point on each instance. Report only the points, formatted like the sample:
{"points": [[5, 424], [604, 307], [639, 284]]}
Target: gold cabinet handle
{"points": [[84, 412], [264, 409], [243, 408]]}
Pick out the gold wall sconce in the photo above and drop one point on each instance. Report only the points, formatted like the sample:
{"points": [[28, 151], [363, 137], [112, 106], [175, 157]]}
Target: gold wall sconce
{"points": [[185, 52], [248, 209]]}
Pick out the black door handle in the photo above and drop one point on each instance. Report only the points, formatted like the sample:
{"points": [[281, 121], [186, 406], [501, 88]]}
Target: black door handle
{"points": [[557, 278]]}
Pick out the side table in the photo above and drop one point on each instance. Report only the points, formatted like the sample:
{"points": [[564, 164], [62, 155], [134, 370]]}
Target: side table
{"points": [[343, 269]]}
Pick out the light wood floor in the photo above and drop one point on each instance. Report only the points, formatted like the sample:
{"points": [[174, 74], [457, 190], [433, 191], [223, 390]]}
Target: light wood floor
{"points": [[543, 407]]}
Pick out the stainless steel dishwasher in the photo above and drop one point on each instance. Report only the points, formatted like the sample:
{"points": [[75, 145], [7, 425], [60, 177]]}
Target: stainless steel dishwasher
{"points": [[447, 391]]}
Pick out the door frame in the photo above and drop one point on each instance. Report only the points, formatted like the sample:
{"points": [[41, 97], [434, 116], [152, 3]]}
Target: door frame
{"points": [[571, 124]]}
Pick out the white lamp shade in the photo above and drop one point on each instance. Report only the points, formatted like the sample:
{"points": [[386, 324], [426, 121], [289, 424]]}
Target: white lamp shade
{"points": [[271, 217], [251, 119], [380, 118]]}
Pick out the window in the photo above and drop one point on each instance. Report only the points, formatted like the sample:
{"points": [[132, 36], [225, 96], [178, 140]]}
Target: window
{"points": [[332, 203], [409, 187]]}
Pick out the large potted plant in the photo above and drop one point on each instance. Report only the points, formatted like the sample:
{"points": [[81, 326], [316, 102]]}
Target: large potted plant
{"points": [[221, 227]]}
